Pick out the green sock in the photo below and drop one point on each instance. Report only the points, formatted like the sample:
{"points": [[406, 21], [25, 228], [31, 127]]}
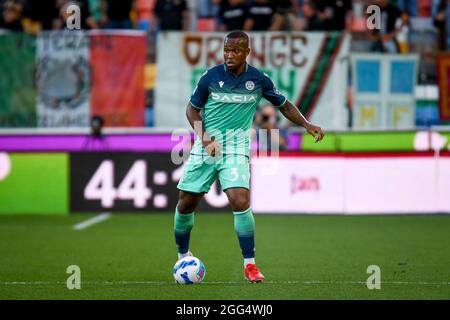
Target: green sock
{"points": [[183, 223], [244, 225]]}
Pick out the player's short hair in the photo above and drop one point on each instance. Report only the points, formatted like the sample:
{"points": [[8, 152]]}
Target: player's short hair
{"points": [[238, 34]]}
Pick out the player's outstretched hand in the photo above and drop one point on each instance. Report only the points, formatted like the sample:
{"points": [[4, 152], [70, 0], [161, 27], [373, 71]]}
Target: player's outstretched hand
{"points": [[315, 131]]}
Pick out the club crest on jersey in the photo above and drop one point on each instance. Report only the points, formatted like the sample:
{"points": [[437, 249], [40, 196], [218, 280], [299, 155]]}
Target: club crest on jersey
{"points": [[249, 85]]}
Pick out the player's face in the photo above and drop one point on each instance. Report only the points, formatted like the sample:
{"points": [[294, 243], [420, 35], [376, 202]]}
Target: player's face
{"points": [[235, 51]]}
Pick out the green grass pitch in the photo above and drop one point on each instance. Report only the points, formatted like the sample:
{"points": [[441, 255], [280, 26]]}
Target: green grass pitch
{"points": [[130, 256]]}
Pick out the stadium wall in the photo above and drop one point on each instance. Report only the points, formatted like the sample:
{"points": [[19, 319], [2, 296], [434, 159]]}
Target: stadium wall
{"points": [[61, 79], [352, 183], [311, 183]]}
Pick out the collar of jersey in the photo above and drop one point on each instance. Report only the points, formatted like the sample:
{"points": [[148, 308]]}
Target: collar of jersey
{"points": [[246, 68]]}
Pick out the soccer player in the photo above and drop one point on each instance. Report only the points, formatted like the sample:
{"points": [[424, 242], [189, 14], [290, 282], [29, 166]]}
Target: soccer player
{"points": [[221, 111]]}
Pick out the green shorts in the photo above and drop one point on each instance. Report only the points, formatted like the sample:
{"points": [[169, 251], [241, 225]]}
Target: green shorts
{"points": [[201, 171]]}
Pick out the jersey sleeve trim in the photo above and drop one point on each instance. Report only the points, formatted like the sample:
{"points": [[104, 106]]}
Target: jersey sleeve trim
{"points": [[279, 106], [195, 106]]}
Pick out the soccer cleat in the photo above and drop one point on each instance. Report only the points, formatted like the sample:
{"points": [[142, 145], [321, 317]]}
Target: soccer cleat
{"points": [[252, 273]]}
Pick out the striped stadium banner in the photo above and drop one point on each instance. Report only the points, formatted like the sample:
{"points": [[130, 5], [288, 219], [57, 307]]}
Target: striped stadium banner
{"points": [[443, 65], [17, 89], [62, 78]]}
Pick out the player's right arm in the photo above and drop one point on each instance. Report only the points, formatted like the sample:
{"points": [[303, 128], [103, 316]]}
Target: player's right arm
{"points": [[193, 113]]}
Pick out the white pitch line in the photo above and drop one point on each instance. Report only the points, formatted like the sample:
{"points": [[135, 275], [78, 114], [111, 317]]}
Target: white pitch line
{"points": [[92, 221], [420, 283]]}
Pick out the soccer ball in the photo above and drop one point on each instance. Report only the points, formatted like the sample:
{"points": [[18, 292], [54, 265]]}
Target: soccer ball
{"points": [[189, 270]]}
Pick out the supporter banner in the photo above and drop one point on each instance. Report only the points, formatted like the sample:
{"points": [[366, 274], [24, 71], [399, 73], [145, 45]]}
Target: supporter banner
{"points": [[63, 79], [443, 185], [309, 68], [351, 184], [33, 183], [130, 182], [118, 88], [17, 91], [362, 141], [443, 63], [383, 87], [156, 142]]}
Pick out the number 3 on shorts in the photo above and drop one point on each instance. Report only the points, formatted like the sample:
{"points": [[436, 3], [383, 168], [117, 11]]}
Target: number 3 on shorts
{"points": [[235, 174]]}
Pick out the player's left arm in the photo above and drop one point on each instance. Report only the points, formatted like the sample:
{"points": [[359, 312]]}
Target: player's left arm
{"points": [[292, 113]]}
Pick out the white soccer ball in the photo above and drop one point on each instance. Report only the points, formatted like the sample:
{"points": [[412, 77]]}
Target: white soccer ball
{"points": [[189, 270]]}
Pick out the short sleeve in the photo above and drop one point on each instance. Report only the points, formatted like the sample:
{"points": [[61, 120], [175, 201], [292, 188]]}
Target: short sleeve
{"points": [[270, 93], [201, 92]]}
